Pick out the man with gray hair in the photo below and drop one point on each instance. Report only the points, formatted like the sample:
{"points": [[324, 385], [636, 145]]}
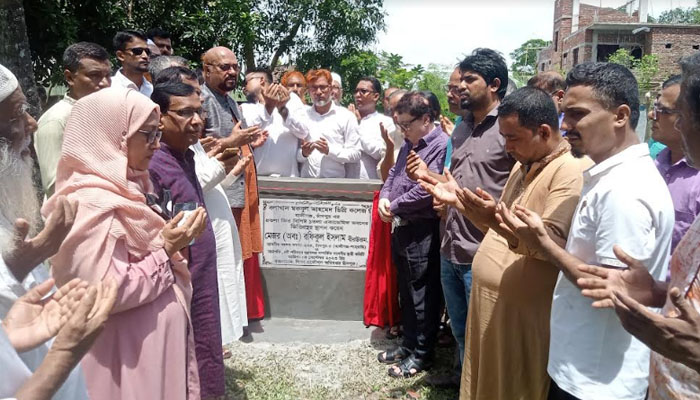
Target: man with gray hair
{"points": [[336, 88], [158, 64]]}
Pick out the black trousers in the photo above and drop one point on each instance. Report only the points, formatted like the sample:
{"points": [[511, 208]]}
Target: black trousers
{"points": [[415, 250], [557, 393]]}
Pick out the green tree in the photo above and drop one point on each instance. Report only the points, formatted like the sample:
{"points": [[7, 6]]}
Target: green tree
{"points": [[680, 16], [524, 58], [309, 33], [394, 72], [644, 69], [435, 79]]}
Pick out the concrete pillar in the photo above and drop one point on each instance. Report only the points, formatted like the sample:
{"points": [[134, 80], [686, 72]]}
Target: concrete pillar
{"points": [[574, 16], [643, 10]]}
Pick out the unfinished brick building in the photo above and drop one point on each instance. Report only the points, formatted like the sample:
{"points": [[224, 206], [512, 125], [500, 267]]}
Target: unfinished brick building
{"points": [[584, 32]]}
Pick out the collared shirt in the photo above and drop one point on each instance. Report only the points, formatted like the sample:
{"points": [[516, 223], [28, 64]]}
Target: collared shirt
{"points": [[278, 155], [684, 184], [48, 140], [408, 199], [339, 127], [373, 146], [479, 159], [119, 79], [222, 115], [624, 202]]}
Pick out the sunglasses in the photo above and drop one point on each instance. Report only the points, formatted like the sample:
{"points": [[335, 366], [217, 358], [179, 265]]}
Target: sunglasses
{"points": [[364, 92], [226, 67], [661, 110], [137, 51]]}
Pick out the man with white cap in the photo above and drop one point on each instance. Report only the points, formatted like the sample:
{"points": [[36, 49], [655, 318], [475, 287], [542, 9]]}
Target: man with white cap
{"points": [[336, 88], [20, 257]]}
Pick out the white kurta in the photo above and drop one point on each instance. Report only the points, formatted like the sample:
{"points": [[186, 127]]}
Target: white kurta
{"points": [[232, 302], [10, 290]]}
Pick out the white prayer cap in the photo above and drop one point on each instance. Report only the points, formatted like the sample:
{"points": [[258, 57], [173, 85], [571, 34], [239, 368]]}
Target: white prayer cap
{"points": [[149, 42], [336, 78], [8, 83]]}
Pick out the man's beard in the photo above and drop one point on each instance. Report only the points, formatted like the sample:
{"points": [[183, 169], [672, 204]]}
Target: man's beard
{"points": [[18, 197], [322, 102]]}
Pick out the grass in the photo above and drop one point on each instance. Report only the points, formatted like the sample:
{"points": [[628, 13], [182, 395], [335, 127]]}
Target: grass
{"points": [[298, 371]]}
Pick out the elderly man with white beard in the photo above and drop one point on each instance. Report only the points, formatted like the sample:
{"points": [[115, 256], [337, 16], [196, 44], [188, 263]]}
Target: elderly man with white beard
{"points": [[22, 257]]}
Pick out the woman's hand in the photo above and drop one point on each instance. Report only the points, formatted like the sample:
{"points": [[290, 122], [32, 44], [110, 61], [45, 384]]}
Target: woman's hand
{"points": [[177, 237]]}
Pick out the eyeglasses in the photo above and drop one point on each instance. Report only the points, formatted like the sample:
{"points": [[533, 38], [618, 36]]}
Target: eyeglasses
{"points": [[226, 67], [137, 51], [405, 125], [188, 113], [451, 88], [364, 92], [151, 136], [322, 88], [661, 110]]}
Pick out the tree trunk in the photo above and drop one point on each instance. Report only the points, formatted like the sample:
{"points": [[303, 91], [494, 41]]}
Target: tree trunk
{"points": [[284, 44], [14, 50]]}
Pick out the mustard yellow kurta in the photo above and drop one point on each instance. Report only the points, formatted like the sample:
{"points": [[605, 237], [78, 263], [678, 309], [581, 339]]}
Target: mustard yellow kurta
{"points": [[507, 339]]}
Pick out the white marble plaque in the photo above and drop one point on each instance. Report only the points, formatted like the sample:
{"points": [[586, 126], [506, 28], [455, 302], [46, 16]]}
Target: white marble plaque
{"points": [[320, 233]]}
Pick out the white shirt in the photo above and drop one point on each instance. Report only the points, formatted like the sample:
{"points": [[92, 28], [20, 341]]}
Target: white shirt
{"points": [[625, 202], [373, 146], [120, 80], [339, 127], [278, 155], [229, 261]]}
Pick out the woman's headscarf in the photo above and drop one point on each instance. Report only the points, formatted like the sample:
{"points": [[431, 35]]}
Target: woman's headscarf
{"points": [[93, 170]]}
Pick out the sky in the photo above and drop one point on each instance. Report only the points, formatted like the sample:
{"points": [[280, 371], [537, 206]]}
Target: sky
{"points": [[443, 31]]}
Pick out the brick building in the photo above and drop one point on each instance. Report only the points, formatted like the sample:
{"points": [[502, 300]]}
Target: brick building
{"points": [[583, 32]]}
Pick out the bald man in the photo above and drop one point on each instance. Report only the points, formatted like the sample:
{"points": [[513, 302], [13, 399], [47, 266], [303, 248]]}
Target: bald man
{"points": [[225, 121]]}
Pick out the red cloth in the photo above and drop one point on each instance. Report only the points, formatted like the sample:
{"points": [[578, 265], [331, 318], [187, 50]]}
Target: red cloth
{"points": [[381, 306], [253, 288]]}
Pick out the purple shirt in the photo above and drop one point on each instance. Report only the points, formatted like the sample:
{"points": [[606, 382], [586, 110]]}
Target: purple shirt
{"points": [[684, 184], [408, 199], [172, 170]]}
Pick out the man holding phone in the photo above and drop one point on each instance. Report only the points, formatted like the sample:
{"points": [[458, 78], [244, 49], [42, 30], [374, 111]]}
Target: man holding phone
{"points": [[173, 169]]}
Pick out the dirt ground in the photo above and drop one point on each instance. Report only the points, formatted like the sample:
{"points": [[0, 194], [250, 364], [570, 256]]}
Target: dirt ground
{"points": [[300, 371]]}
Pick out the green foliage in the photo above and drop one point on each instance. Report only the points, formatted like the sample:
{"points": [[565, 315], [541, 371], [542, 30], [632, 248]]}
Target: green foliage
{"points": [[524, 58], [394, 72], [680, 16], [644, 69], [435, 80], [310, 33]]}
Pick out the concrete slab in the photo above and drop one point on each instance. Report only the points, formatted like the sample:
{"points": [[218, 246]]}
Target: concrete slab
{"points": [[288, 330], [312, 293]]}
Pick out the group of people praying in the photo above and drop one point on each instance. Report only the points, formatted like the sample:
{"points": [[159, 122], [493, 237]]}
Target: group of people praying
{"points": [[537, 220]]}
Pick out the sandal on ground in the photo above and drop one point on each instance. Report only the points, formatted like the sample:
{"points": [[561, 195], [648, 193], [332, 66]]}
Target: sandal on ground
{"points": [[409, 367], [394, 355]]}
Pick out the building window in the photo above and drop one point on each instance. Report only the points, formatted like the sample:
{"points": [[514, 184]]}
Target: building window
{"points": [[696, 47], [576, 56], [668, 45], [556, 41]]}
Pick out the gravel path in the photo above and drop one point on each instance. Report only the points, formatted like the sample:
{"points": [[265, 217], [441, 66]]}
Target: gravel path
{"points": [[300, 371]]}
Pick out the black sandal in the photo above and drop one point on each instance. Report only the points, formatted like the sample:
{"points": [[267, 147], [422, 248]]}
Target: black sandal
{"points": [[394, 355], [409, 363]]}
